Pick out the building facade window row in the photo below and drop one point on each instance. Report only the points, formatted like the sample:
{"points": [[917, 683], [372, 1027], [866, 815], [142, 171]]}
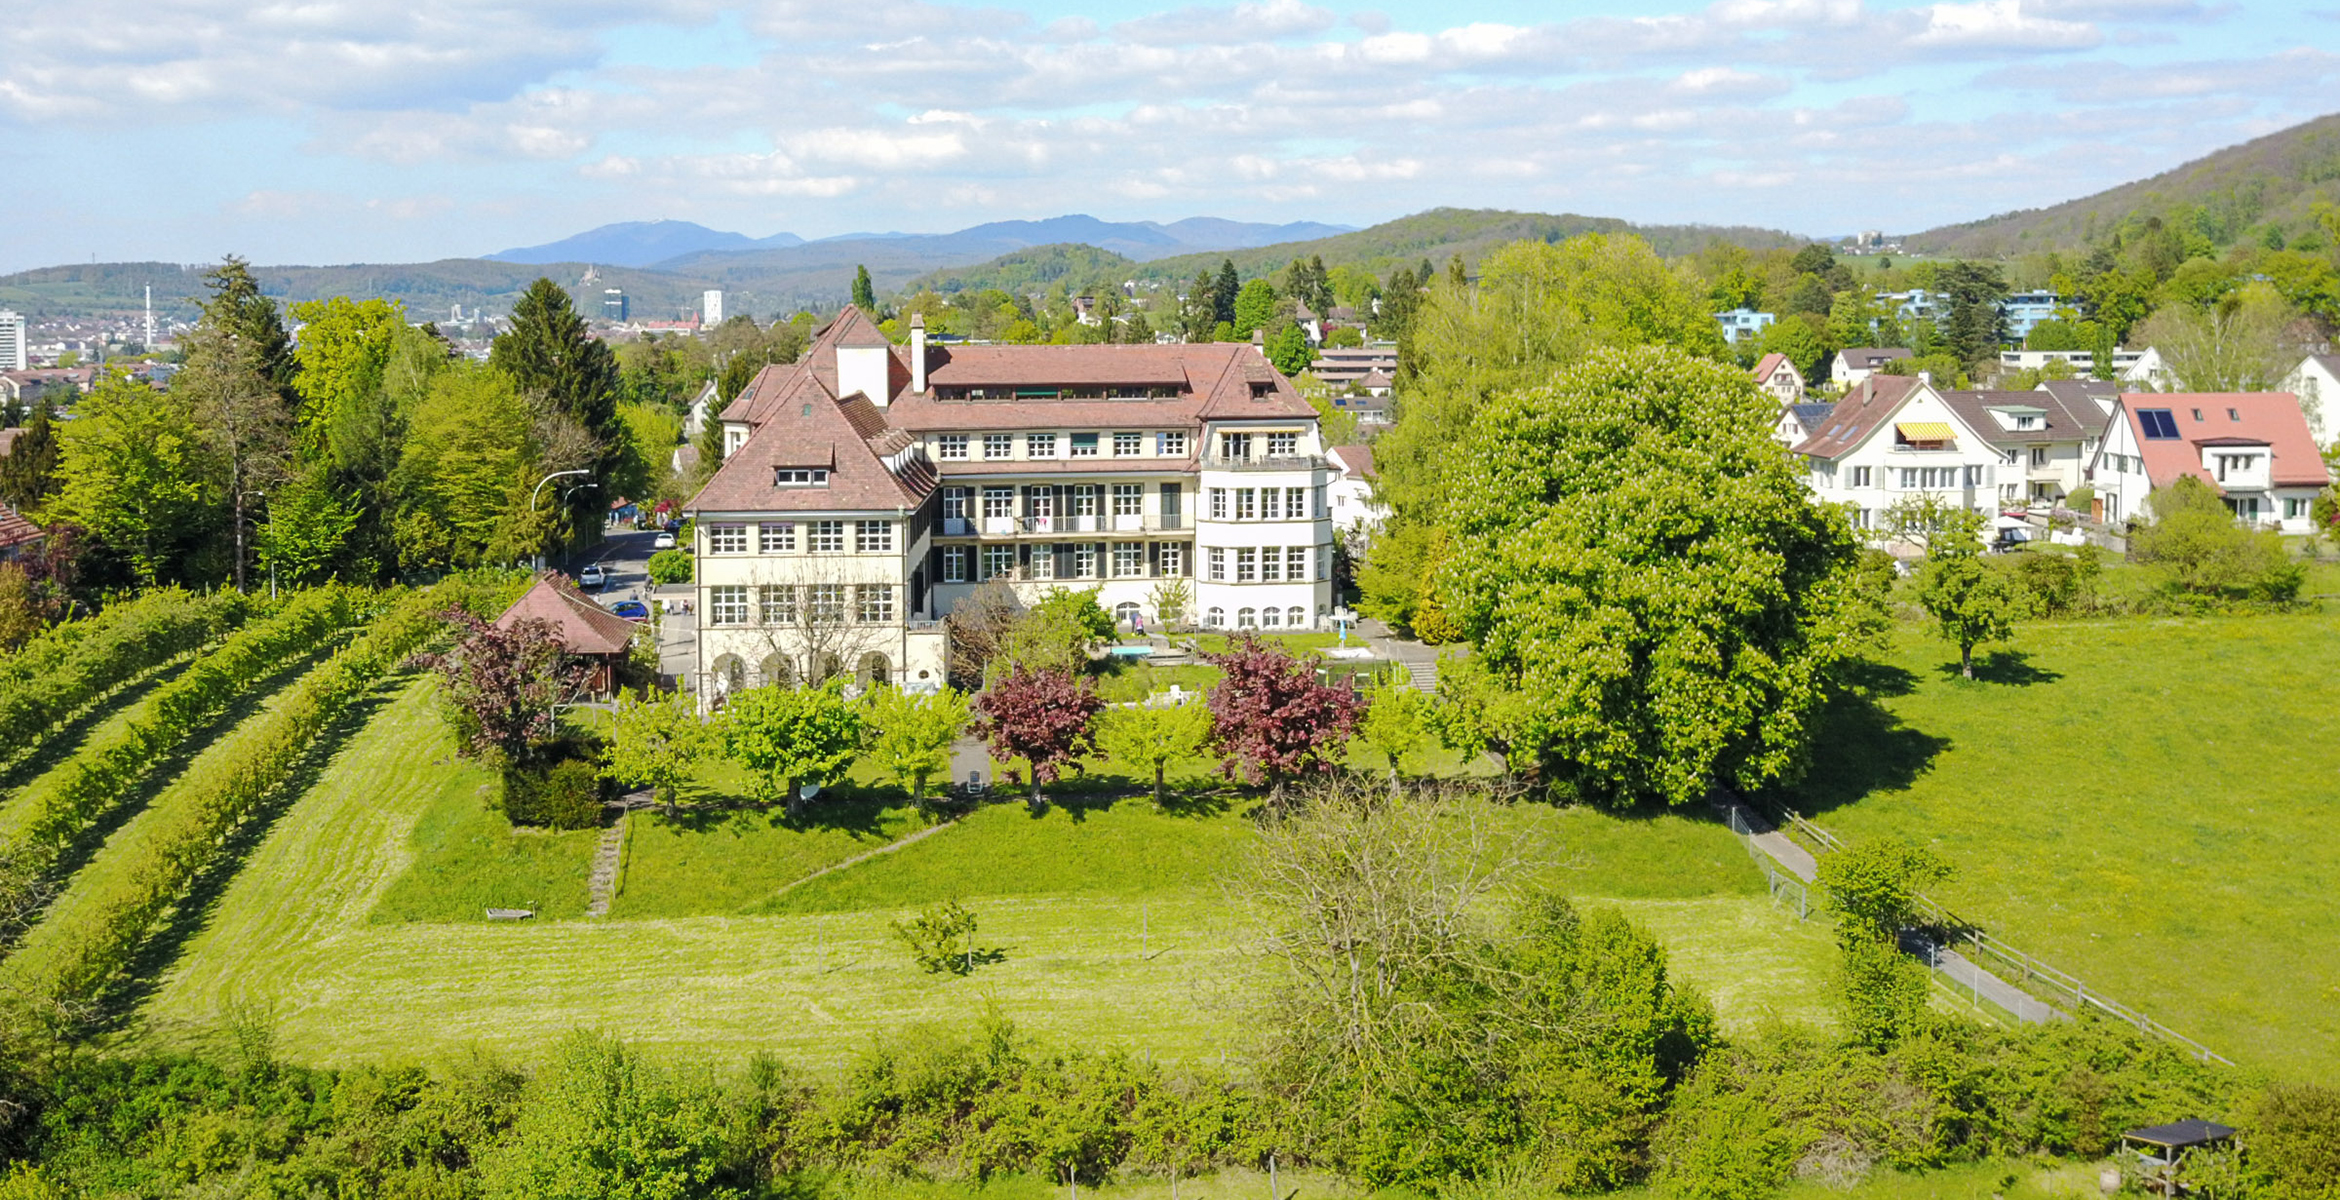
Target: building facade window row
{"points": [[1266, 504], [1056, 444], [1266, 617], [809, 537], [1064, 560], [796, 604], [1267, 564]]}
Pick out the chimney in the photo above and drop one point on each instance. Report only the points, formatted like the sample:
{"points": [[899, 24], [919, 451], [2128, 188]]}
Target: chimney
{"points": [[1926, 378], [917, 354]]}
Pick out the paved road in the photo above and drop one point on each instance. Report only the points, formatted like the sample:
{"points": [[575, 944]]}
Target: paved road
{"points": [[625, 554]]}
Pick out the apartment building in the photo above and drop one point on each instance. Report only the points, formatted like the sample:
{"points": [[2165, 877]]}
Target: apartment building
{"points": [[868, 488], [15, 354], [2046, 440]]}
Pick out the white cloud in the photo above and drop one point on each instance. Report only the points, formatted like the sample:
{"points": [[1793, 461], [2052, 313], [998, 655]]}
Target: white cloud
{"points": [[2002, 24]]}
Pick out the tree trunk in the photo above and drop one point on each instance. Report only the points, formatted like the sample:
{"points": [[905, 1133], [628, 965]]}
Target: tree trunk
{"points": [[795, 795], [238, 485], [1966, 660], [1158, 794], [1035, 801]]}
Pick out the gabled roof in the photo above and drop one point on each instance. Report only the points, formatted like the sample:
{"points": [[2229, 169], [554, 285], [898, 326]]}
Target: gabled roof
{"points": [[2093, 393], [2061, 420], [2330, 363], [1850, 421], [1354, 461], [1869, 358], [584, 627], [2271, 419], [1770, 362]]}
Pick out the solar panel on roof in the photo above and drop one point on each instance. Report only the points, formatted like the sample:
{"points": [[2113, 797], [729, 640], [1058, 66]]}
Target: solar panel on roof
{"points": [[2159, 424]]}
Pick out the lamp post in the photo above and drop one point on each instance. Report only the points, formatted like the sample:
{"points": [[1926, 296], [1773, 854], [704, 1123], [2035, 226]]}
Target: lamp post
{"points": [[538, 490]]}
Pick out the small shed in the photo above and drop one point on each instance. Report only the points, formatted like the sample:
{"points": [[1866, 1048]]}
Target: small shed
{"points": [[2162, 1150], [586, 629]]}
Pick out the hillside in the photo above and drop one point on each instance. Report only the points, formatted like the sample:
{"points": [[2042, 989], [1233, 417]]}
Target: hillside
{"points": [[639, 244], [427, 289], [2271, 183], [1435, 235]]}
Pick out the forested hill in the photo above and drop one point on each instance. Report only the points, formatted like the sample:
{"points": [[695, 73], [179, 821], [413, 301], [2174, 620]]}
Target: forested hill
{"points": [[2260, 190], [1436, 235]]}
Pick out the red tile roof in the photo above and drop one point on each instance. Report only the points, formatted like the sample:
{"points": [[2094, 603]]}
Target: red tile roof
{"points": [[1769, 363], [2272, 419], [585, 627], [1356, 461], [1865, 407], [15, 530]]}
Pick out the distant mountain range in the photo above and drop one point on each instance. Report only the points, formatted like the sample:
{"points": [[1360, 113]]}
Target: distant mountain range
{"points": [[639, 244]]}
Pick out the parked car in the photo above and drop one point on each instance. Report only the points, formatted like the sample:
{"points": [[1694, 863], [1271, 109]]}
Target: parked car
{"points": [[632, 610], [673, 525], [664, 540], [593, 576]]}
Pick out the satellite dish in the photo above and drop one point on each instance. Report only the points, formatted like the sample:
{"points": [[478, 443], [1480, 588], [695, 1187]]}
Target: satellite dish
{"points": [[808, 791]]}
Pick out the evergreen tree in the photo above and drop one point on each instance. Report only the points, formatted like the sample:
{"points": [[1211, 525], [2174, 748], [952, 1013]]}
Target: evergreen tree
{"points": [[864, 292], [238, 308], [1320, 292], [1456, 273], [1229, 286], [548, 357], [29, 472]]}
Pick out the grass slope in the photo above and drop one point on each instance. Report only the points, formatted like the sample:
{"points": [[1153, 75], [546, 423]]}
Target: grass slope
{"points": [[309, 931], [2146, 804]]}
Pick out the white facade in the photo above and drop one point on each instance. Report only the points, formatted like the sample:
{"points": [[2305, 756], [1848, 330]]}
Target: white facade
{"points": [[2240, 468], [2316, 381], [784, 598], [1894, 460], [711, 308], [15, 355]]}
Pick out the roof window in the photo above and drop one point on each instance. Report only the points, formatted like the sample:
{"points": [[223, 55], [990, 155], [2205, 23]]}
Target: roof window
{"points": [[2197, 413], [800, 477], [2232, 415]]}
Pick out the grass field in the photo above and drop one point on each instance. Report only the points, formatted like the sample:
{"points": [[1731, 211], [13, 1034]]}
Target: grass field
{"points": [[2148, 804], [354, 925]]}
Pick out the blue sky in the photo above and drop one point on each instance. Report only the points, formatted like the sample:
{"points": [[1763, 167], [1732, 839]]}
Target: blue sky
{"points": [[353, 130]]}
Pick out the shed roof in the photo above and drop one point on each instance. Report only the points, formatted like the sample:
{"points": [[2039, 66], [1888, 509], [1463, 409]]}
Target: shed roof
{"points": [[15, 530], [584, 627], [2178, 1135]]}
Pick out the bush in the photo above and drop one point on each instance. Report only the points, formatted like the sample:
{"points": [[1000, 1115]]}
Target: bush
{"points": [[670, 566], [564, 795], [942, 939], [2051, 583], [2294, 1137]]}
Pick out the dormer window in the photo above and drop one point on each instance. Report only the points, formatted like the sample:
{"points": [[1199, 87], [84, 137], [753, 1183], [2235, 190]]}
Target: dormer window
{"points": [[800, 477]]}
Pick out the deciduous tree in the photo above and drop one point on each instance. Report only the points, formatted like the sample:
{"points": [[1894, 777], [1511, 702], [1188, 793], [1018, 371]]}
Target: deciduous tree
{"points": [[132, 473], [787, 736], [501, 686], [1153, 737], [1970, 602], [1271, 717], [28, 473], [1044, 716], [654, 741], [910, 736]]}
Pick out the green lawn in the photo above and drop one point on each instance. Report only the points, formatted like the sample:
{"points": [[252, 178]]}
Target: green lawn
{"points": [[355, 923], [2147, 804]]}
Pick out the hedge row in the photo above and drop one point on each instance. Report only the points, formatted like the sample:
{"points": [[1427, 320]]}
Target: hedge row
{"points": [[76, 663], [104, 771], [93, 932]]}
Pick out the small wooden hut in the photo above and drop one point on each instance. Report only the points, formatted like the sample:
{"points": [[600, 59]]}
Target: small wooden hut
{"points": [[587, 630]]}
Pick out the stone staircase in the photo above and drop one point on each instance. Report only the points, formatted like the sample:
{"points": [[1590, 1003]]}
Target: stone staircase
{"points": [[606, 859]]}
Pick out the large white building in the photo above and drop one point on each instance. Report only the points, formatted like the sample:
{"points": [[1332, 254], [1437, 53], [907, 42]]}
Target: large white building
{"points": [[1894, 437], [868, 487], [710, 308], [15, 355]]}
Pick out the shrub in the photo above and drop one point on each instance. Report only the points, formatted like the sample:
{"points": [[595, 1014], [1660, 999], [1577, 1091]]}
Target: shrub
{"points": [[2294, 1136], [670, 566], [563, 795], [942, 939], [602, 1122], [2051, 583]]}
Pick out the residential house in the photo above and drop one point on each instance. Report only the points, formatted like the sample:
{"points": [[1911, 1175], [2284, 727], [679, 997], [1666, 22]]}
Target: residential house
{"points": [[586, 630], [2253, 448], [1854, 365], [1356, 511], [1799, 421], [2045, 443], [1777, 375], [1893, 437], [1339, 368], [2316, 381], [1741, 324], [868, 488], [19, 537]]}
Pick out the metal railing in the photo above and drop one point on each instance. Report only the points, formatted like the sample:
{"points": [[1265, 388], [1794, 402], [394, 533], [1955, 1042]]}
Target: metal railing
{"points": [[1288, 462], [1778, 882], [1056, 524], [2028, 972]]}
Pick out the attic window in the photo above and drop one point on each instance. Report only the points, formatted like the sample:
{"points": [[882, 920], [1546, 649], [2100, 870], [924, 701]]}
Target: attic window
{"points": [[2232, 415], [2197, 414], [1261, 391], [808, 410], [800, 477]]}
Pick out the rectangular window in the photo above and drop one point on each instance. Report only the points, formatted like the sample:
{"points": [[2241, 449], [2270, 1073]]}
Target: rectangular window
{"points": [[1218, 504], [999, 445], [1246, 565], [1084, 445], [1170, 445], [955, 564], [1324, 563], [1296, 504], [873, 537], [1296, 563], [999, 502], [1234, 445], [1084, 500], [1040, 445], [1246, 504], [779, 604], [1044, 560], [1271, 504], [727, 605], [1173, 559], [727, 539], [1283, 445], [826, 537], [877, 603], [1129, 559], [1974, 475], [800, 477], [825, 603], [999, 562], [2295, 508], [2039, 456], [1216, 560], [1860, 476], [1128, 445], [954, 504], [1271, 565], [1084, 558], [1129, 500], [951, 445], [776, 537]]}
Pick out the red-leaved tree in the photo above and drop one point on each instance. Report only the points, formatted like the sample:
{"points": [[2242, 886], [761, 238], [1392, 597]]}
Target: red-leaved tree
{"points": [[501, 686], [1271, 717], [1046, 716]]}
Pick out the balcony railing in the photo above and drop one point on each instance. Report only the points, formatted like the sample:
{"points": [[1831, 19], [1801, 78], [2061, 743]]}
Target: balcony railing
{"points": [[1288, 462], [1051, 525]]}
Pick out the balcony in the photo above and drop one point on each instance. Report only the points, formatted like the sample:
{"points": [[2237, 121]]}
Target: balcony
{"points": [[1050, 526], [1290, 462]]}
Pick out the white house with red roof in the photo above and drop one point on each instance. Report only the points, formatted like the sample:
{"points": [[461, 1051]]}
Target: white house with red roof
{"points": [[2253, 448], [869, 487], [1894, 437], [1779, 376]]}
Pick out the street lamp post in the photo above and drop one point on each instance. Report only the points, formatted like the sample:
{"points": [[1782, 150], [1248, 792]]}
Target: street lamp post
{"points": [[538, 490]]}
